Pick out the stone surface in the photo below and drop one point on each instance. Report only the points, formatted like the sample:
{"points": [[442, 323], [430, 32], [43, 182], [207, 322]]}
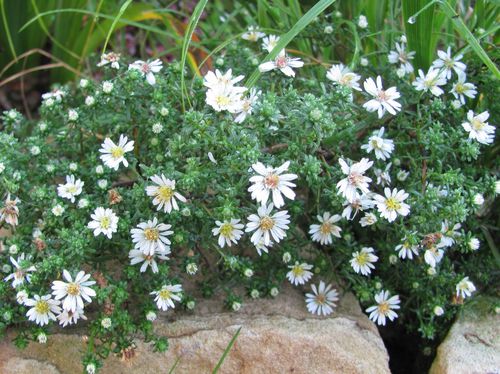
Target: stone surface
{"points": [[18, 365], [277, 336], [472, 345]]}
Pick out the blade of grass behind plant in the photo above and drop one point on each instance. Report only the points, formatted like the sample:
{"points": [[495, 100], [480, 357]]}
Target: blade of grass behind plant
{"points": [[193, 21], [7, 29], [111, 29], [226, 351], [301, 24]]}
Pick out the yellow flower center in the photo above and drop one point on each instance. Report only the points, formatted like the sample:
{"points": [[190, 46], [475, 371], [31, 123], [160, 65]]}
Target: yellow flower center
{"points": [[460, 88], [321, 299], [165, 193], [151, 234], [362, 258], [71, 189], [117, 152], [355, 178], [383, 308], [271, 181], [477, 125], [222, 100], [297, 271], [226, 230], [105, 222], [266, 223], [392, 204], [165, 294], [346, 79], [42, 307], [73, 289], [326, 228]]}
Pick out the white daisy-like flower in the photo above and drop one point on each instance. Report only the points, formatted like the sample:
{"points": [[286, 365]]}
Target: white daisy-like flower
{"points": [[449, 233], [10, 211], [384, 308], [113, 155], [21, 297], [299, 273], [447, 63], [107, 87], [465, 288], [70, 317], [58, 210], [430, 82], [402, 57], [360, 203], [355, 179], [272, 180], [382, 147], [362, 22], [406, 250], [104, 221], [71, 189], [73, 292], [246, 105], [43, 309], [110, 58], [461, 89], [283, 63], [384, 100], [342, 75], [383, 175], [215, 80], [269, 42], [261, 247], [228, 231], [392, 204], [268, 226], [368, 220], [253, 34], [147, 69], [150, 236], [478, 199], [166, 296], [225, 98], [56, 94], [478, 128], [323, 232], [22, 271], [137, 256], [362, 261], [322, 300], [164, 194], [474, 244], [433, 256]]}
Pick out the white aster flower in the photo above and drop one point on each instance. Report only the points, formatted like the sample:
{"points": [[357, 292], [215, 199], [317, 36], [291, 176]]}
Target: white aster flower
{"points": [[106, 323], [362, 21], [151, 316], [70, 317], [364, 61], [73, 292], [323, 232], [478, 128], [35, 150], [478, 199], [137, 256], [448, 63], [390, 205], [269, 42], [41, 338], [42, 309], [343, 76], [58, 210], [433, 256], [113, 155], [253, 34], [322, 300], [164, 194], [360, 203], [21, 297], [283, 63], [22, 271], [355, 179], [147, 69], [102, 183], [246, 105], [229, 232], [270, 180], [166, 296], [90, 368], [384, 100], [402, 57], [157, 128], [216, 80], [474, 244], [382, 147], [150, 236], [368, 220], [449, 233], [107, 87], [465, 288], [104, 221], [56, 94], [384, 308], [83, 83], [261, 247], [71, 189], [110, 58], [383, 175], [10, 211], [402, 175], [72, 115], [406, 250], [268, 226], [362, 261], [225, 98], [461, 89], [299, 273], [430, 82]]}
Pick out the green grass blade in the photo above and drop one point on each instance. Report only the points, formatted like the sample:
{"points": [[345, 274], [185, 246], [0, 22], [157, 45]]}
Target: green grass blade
{"points": [[301, 24], [115, 21], [226, 351], [193, 21], [7, 30]]}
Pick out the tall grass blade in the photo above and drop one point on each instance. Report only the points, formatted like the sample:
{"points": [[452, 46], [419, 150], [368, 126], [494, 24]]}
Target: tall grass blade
{"points": [[301, 24], [7, 30], [115, 21], [226, 351]]}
